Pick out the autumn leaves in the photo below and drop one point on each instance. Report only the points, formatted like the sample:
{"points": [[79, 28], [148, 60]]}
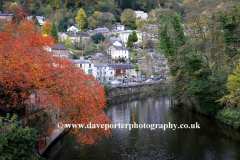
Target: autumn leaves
{"points": [[26, 68]]}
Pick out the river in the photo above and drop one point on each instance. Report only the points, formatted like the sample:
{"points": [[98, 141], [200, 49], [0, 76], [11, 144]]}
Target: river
{"points": [[213, 140]]}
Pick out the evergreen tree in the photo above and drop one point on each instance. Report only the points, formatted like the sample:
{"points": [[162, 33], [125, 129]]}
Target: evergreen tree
{"points": [[130, 41], [178, 31], [54, 32], [134, 36], [81, 18]]}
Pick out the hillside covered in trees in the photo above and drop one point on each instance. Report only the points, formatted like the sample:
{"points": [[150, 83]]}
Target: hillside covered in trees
{"points": [[203, 52]]}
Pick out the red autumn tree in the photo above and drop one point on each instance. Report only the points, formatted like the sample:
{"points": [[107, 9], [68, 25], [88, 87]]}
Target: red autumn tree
{"points": [[27, 69]]}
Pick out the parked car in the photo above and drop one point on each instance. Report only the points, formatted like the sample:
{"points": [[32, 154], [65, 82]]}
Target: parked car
{"points": [[148, 81], [161, 77], [142, 79], [116, 81]]}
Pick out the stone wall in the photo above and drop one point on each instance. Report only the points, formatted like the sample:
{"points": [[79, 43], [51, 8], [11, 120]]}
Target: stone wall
{"points": [[126, 89]]}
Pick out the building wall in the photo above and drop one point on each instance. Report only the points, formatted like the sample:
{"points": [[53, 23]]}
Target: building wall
{"points": [[60, 53], [118, 53], [152, 66], [88, 68], [125, 35], [102, 72]]}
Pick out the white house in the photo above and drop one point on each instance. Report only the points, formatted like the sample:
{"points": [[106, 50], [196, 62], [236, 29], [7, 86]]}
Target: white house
{"points": [[124, 35], [86, 65], [117, 51], [120, 27], [103, 72], [73, 29], [41, 19], [141, 14]]}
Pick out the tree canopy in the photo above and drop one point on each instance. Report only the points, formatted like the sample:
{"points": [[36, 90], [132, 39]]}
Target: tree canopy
{"points": [[81, 18], [128, 17], [54, 32], [28, 69]]}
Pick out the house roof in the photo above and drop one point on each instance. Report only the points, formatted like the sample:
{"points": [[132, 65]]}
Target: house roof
{"points": [[100, 65], [78, 34], [101, 29], [129, 31], [59, 47], [121, 66], [113, 39], [120, 48], [96, 58], [99, 54], [81, 61]]}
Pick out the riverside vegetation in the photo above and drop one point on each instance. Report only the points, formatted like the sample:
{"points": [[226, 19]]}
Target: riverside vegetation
{"points": [[205, 70]]}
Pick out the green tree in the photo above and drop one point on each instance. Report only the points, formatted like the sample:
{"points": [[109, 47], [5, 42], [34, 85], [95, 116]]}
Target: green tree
{"points": [[81, 18], [128, 17], [18, 142], [130, 41], [67, 42], [134, 36], [48, 10], [54, 32], [92, 23]]}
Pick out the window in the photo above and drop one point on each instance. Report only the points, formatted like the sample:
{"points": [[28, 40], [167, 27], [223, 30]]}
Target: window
{"points": [[97, 73], [81, 65], [104, 73], [111, 73], [89, 72], [89, 65]]}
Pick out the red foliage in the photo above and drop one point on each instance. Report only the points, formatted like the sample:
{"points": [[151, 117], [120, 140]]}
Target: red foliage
{"points": [[26, 68]]}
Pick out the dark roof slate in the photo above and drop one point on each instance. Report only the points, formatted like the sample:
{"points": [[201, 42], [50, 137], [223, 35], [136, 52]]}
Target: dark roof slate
{"points": [[120, 48], [59, 47], [121, 66]]}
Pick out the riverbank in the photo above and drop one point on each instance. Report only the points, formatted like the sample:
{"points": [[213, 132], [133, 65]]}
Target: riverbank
{"points": [[133, 88], [52, 139], [230, 116]]}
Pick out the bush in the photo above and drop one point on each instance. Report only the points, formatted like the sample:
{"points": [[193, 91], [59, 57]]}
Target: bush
{"points": [[106, 88], [230, 116]]}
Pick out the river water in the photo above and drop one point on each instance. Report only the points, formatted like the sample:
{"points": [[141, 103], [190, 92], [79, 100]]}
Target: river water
{"points": [[213, 140]]}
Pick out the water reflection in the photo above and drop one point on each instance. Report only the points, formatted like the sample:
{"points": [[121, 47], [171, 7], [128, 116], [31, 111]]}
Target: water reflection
{"points": [[213, 141]]}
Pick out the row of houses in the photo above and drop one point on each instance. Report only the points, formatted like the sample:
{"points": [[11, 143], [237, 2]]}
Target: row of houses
{"points": [[100, 71]]}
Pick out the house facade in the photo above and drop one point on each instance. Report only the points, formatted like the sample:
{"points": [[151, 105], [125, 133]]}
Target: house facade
{"points": [[120, 27], [141, 14], [74, 36], [123, 70], [153, 65], [124, 36], [59, 51], [117, 51], [104, 31], [5, 17], [86, 65], [102, 72]]}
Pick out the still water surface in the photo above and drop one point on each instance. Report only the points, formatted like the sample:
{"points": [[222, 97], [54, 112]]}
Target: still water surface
{"points": [[212, 141]]}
